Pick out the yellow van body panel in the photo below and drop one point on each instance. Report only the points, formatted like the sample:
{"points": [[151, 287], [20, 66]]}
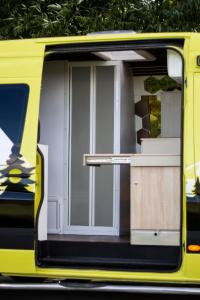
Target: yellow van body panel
{"points": [[22, 263], [21, 61]]}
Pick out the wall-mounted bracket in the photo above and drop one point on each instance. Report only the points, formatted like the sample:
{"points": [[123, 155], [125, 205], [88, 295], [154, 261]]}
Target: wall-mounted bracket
{"points": [[97, 160]]}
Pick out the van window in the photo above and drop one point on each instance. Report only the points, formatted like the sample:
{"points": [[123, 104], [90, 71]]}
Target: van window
{"points": [[13, 104]]}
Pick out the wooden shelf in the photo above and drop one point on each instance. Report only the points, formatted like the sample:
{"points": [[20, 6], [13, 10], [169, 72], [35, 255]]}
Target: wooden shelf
{"points": [[132, 159], [106, 159]]}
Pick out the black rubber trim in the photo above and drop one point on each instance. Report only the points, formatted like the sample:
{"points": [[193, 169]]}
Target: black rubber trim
{"points": [[118, 45], [37, 262], [182, 156], [17, 238]]}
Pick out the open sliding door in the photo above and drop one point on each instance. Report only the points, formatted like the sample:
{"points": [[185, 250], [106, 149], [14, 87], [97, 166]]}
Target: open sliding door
{"points": [[20, 80]]}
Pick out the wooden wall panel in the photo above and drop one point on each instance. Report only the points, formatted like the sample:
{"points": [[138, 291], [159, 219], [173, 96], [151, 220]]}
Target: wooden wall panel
{"points": [[155, 198]]}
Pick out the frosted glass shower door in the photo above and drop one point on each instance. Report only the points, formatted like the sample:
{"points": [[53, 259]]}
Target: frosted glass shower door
{"points": [[80, 143], [91, 198], [104, 143]]}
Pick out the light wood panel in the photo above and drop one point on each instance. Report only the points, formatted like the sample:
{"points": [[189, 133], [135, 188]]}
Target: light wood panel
{"points": [[161, 145], [155, 198]]}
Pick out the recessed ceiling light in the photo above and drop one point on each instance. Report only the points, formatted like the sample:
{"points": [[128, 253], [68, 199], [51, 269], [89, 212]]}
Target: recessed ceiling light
{"points": [[129, 55]]}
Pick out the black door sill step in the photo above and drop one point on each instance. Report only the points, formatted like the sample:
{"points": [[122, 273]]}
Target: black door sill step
{"points": [[107, 255], [108, 250], [111, 263]]}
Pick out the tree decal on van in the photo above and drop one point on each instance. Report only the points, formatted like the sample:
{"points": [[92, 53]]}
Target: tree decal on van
{"points": [[196, 190], [17, 176]]}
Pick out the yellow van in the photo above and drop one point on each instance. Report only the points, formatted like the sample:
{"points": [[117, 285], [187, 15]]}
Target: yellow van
{"points": [[100, 161]]}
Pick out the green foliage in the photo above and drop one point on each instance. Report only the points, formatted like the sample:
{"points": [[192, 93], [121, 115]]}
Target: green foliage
{"points": [[168, 84], [155, 116], [38, 18], [152, 85], [23, 19]]}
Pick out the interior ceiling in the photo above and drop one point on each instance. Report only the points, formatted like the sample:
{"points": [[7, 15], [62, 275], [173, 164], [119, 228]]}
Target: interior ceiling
{"points": [[155, 67], [138, 68]]}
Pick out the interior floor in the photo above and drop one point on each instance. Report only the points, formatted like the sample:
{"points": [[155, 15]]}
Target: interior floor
{"points": [[88, 238]]}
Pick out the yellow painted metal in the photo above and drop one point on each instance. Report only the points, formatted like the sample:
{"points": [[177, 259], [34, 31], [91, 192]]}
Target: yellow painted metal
{"points": [[38, 191], [22, 263], [21, 62]]}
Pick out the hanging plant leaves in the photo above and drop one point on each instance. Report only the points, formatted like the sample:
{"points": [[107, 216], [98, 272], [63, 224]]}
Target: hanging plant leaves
{"points": [[152, 85], [168, 84]]}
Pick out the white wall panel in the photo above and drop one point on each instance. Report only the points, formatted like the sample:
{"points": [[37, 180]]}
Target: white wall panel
{"points": [[42, 221], [52, 130]]}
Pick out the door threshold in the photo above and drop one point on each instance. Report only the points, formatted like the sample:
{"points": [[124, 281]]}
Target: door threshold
{"points": [[107, 255], [111, 263], [88, 238]]}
